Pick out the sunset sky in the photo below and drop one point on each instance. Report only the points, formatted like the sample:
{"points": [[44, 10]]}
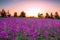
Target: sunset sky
{"points": [[31, 7]]}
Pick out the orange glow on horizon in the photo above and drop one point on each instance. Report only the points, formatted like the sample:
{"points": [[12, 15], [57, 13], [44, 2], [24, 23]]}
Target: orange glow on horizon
{"points": [[33, 11]]}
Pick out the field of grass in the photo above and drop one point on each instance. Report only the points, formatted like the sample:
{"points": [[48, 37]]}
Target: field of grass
{"points": [[29, 29]]}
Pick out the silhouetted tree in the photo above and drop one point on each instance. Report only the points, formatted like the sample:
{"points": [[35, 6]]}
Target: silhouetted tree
{"points": [[56, 15], [3, 13], [47, 15], [15, 14], [40, 15], [8, 14], [22, 14], [51, 15]]}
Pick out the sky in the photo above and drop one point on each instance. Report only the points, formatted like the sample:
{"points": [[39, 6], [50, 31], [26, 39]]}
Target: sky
{"points": [[31, 7]]}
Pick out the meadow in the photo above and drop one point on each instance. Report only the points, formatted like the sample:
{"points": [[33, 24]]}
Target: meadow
{"points": [[29, 29]]}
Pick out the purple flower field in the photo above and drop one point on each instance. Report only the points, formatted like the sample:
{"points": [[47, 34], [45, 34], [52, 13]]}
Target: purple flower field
{"points": [[29, 29]]}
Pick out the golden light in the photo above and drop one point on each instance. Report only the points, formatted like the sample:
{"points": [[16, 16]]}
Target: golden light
{"points": [[33, 11]]}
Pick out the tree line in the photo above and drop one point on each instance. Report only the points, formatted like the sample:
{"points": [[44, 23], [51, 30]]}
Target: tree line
{"points": [[3, 13], [51, 16]]}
